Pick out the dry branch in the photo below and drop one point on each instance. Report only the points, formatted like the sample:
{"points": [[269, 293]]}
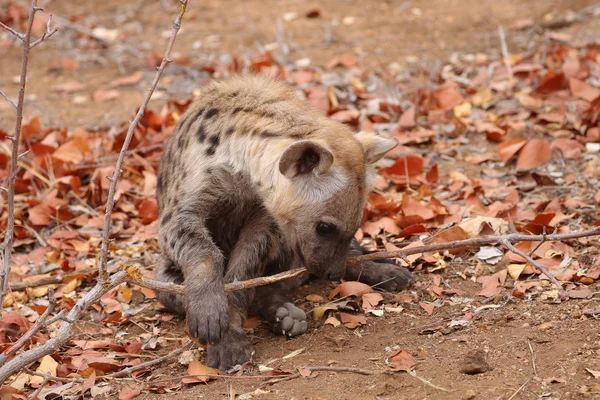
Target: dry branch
{"points": [[16, 140], [105, 282]]}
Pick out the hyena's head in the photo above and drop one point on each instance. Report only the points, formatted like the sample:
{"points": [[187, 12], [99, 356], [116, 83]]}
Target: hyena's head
{"points": [[320, 195]]}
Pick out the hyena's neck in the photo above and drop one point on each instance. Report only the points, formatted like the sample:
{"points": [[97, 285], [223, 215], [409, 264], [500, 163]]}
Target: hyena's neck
{"points": [[258, 158]]}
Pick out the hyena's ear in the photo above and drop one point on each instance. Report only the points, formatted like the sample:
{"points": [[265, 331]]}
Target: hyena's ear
{"points": [[303, 158], [374, 146]]}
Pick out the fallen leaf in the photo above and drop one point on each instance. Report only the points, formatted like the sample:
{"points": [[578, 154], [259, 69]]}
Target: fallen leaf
{"points": [[353, 321], [428, 307], [47, 366], [401, 360], [130, 80], [350, 288], [535, 153], [200, 373], [333, 321], [129, 392], [371, 300], [508, 148]]}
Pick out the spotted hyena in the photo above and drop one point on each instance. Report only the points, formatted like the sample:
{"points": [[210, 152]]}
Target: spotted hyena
{"points": [[254, 182]]}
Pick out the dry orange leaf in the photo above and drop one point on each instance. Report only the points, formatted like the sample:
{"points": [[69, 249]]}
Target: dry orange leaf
{"points": [[402, 360], [427, 307], [350, 288], [200, 373], [353, 321], [508, 148], [371, 300], [534, 154], [148, 211], [583, 90]]}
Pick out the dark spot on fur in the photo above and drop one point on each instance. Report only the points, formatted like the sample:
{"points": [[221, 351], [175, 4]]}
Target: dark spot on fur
{"points": [[266, 114], [201, 134], [229, 131], [237, 110], [296, 136], [214, 143], [166, 218], [211, 113], [268, 134], [159, 183], [173, 243]]}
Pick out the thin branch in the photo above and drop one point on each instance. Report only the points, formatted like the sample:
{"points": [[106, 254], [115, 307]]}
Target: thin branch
{"points": [[49, 32], [10, 226], [353, 370], [505, 52], [11, 101], [427, 382], [530, 260], [50, 280], [110, 202], [474, 242], [39, 324], [148, 364], [19, 35], [105, 282]]}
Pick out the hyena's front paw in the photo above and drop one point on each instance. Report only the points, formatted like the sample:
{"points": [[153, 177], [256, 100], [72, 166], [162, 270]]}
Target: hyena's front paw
{"points": [[290, 320], [233, 349], [207, 314], [386, 276]]}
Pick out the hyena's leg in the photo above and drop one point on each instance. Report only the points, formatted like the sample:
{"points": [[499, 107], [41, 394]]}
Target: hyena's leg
{"points": [[247, 260], [273, 304], [187, 246], [169, 272], [383, 273]]}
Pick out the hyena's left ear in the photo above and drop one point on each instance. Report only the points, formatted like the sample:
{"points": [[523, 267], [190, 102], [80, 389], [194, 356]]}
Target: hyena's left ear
{"points": [[374, 146], [303, 158]]}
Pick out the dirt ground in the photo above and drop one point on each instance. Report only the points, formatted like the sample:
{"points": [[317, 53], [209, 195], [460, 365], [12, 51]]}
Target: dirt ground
{"points": [[536, 349]]}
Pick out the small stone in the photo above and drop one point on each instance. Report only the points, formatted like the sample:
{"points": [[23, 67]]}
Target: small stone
{"points": [[546, 326], [470, 394], [474, 363]]}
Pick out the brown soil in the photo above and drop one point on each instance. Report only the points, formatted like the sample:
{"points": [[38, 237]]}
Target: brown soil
{"points": [[420, 34]]}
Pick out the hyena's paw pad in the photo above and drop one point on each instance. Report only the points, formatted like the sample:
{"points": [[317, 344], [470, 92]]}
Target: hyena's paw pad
{"points": [[233, 349], [291, 320]]}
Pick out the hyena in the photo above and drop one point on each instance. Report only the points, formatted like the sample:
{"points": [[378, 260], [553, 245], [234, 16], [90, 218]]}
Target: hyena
{"points": [[254, 182]]}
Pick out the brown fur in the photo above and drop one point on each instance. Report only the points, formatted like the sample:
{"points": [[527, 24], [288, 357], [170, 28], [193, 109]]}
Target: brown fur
{"points": [[247, 184]]}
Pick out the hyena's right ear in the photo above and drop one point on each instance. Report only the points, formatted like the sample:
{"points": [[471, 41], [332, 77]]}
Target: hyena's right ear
{"points": [[305, 157], [374, 146]]}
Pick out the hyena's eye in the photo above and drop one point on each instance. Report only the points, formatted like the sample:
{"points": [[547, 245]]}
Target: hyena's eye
{"points": [[325, 228]]}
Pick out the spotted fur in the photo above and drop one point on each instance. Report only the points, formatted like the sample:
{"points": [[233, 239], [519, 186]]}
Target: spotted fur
{"points": [[244, 181]]}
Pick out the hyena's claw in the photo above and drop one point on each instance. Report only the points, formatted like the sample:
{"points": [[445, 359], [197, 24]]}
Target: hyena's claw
{"points": [[207, 315], [233, 349], [291, 320]]}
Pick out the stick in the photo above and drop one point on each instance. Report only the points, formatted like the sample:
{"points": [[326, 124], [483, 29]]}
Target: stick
{"points": [[533, 262], [532, 357], [16, 141], [39, 324], [151, 363], [353, 370], [519, 389], [50, 280], [105, 282], [505, 52], [428, 382]]}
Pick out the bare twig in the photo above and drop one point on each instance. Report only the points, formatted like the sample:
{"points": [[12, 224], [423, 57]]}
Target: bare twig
{"points": [[505, 52], [11, 101], [50, 280], [110, 202], [532, 357], [37, 326], [105, 282], [49, 32], [529, 259], [37, 391], [428, 382], [474, 242], [16, 140], [151, 363], [519, 389], [353, 370], [19, 35]]}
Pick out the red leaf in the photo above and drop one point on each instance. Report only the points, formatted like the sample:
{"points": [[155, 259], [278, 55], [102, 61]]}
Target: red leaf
{"points": [[427, 307], [534, 154], [148, 211], [410, 165], [570, 148]]}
